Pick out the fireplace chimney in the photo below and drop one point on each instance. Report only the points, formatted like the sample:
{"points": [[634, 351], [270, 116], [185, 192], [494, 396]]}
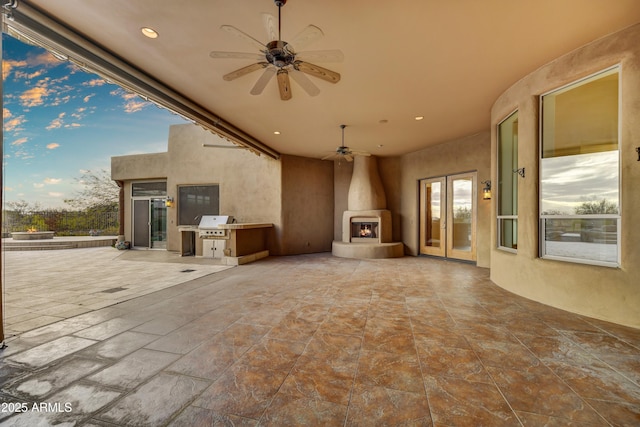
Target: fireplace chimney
{"points": [[366, 191]]}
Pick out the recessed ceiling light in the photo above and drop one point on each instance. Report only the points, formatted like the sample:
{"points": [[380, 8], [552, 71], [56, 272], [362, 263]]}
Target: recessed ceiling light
{"points": [[149, 32], [383, 121], [276, 133], [419, 117], [380, 145]]}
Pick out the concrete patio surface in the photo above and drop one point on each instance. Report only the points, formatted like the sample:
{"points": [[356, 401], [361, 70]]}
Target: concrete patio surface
{"points": [[323, 341], [45, 286]]}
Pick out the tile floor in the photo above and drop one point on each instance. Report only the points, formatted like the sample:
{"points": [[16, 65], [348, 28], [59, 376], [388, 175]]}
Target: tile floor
{"points": [[317, 340], [46, 286]]}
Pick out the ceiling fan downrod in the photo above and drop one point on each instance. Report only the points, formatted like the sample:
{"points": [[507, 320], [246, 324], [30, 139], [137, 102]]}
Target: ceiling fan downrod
{"points": [[279, 3]]}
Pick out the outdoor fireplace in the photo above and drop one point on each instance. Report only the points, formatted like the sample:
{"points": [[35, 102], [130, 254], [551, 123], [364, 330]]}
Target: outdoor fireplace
{"points": [[366, 224]]}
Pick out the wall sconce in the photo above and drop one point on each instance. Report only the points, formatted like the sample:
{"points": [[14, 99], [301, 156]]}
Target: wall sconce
{"points": [[486, 191], [519, 172], [169, 202]]}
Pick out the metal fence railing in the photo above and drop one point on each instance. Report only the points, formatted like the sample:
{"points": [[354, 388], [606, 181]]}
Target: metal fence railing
{"points": [[63, 222]]}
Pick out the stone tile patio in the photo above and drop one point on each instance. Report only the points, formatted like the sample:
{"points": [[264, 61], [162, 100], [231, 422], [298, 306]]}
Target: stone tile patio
{"points": [[46, 286], [318, 340]]}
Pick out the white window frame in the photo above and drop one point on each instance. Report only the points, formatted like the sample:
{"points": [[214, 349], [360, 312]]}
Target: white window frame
{"points": [[542, 218], [500, 218]]}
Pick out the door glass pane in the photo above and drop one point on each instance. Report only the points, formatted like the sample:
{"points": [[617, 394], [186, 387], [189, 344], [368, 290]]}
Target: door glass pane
{"points": [[433, 199], [158, 224], [462, 208]]}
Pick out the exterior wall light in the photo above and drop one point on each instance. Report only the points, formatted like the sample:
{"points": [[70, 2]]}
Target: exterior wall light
{"points": [[519, 172], [486, 191], [169, 202]]}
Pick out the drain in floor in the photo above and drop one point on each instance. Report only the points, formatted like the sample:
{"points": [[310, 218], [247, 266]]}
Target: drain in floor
{"points": [[187, 270], [112, 290]]}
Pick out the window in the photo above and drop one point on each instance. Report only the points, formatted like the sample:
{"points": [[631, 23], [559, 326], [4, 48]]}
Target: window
{"points": [[508, 183], [149, 189], [579, 172], [195, 201]]}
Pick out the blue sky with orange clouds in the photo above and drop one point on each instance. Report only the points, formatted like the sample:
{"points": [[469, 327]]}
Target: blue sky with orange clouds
{"points": [[60, 121]]}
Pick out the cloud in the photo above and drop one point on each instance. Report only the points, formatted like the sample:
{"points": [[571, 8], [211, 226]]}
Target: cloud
{"points": [[51, 181], [34, 96], [44, 58], [8, 65], [73, 125], [78, 114], [14, 124], [28, 76], [38, 185], [133, 106], [57, 122], [60, 100], [20, 141], [88, 97], [95, 83], [55, 194], [53, 146]]}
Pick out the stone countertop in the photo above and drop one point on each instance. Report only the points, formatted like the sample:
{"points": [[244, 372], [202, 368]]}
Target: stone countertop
{"points": [[245, 226]]}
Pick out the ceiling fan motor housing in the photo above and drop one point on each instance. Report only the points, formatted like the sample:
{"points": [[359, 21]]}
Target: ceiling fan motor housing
{"points": [[279, 53], [280, 3]]}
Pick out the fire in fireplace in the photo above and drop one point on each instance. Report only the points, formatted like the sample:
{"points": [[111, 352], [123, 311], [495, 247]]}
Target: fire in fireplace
{"points": [[364, 231]]}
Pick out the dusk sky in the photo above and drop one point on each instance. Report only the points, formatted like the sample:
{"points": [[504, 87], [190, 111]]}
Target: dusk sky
{"points": [[60, 121]]}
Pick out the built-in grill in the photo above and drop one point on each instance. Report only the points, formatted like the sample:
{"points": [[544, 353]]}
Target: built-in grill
{"points": [[208, 227]]}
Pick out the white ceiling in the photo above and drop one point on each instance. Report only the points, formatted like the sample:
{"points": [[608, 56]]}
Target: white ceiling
{"points": [[446, 60]]}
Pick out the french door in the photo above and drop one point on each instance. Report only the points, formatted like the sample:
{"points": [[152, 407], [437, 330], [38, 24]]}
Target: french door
{"points": [[448, 216]]}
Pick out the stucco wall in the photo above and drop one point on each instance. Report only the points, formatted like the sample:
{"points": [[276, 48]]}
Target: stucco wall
{"points": [[468, 154], [249, 184], [295, 193], [307, 205], [611, 294]]}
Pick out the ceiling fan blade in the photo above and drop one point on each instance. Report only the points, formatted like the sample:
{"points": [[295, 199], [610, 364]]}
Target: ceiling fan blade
{"points": [[331, 156], [317, 71], [305, 83], [236, 55], [284, 85], [321, 56], [244, 36], [244, 71], [305, 37], [262, 81], [360, 153], [271, 25], [348, 157]]}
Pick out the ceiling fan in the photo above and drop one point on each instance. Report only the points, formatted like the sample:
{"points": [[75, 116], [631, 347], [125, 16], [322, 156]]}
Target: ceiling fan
{"points": [[281, 59], [343, 152]]}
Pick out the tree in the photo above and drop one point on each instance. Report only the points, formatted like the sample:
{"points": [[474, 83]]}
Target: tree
{"points": [[99, 192], [597, 207]]}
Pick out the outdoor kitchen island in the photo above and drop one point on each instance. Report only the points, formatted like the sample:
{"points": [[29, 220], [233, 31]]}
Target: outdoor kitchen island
{"points": [[247, 242]]}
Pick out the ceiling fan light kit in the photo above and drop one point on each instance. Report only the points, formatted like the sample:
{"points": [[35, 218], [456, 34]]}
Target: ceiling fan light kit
{"points": [[280, 58]]}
